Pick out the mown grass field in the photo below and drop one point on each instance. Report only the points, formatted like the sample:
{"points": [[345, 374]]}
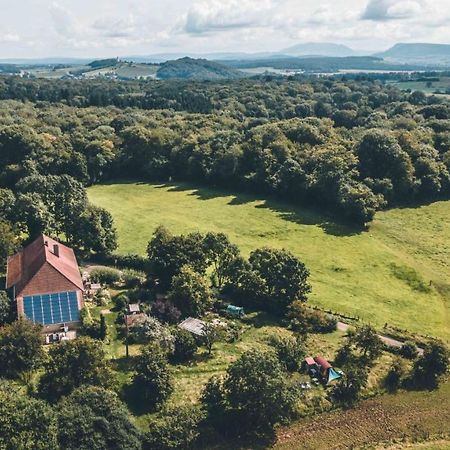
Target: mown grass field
{"points": [[396, 272]]}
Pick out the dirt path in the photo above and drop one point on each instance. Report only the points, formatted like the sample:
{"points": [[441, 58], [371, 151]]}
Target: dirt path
{"points": [[341, 326]]}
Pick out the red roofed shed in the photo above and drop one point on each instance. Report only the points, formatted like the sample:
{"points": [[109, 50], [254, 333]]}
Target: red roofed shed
{"points": [[46, 283]]}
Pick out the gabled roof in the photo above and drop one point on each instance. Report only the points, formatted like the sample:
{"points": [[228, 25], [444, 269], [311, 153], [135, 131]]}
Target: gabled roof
{"points": [[310, 361], [322, 362], [23, 266]]}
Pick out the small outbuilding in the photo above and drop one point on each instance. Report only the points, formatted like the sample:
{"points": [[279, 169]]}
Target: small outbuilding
{"points": [[194, 326], [134, 308], [327, 373], [235, 311]]}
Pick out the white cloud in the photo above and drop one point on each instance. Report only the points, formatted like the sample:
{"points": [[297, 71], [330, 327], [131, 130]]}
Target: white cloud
{"points": [[392, 9], [102, 28], [212, 15], [9, 37]]}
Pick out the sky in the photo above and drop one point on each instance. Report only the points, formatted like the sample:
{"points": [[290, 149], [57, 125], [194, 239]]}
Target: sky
{"points": [[107, 28]]}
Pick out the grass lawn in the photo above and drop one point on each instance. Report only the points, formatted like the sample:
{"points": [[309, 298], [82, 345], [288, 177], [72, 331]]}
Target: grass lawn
{"points": [[397, 272]]}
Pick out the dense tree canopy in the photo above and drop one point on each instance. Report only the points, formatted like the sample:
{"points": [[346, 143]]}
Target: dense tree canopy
{"points": [[102, 417], [26, 423], [76, 363], [21, 350]]}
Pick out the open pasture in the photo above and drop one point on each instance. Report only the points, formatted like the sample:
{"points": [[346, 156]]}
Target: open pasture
{"points": [[396, 272]]}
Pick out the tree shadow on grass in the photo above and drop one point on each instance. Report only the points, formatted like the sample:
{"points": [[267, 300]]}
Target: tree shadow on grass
{"points": [[262, 319], [301, 215], [135, 401]]}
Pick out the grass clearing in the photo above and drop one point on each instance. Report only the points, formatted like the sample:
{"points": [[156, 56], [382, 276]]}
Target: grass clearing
{"points": [[351, 270]]}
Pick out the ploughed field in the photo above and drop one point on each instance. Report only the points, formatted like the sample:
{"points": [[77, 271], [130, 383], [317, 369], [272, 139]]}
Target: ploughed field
{"points": [[396, 272]]}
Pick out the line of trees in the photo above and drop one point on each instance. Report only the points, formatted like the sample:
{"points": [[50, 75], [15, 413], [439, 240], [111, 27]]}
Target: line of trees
{"points": [[353, 147]]}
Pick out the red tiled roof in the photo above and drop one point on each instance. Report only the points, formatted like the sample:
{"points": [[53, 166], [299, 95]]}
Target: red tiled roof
{"points": [[322, 362], [310, 361], [24, 266], [133, 319]]}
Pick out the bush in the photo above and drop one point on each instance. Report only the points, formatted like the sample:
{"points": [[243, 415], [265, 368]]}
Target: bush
{"points": [[348, 389], [135, 262], [185, 346], [89, 326], [121, 302], [102, 297], [305, 320], [133, 278], [165, 311], [409, 350], [150, 330], [178, 429], [395, 376], [105, 275], [431, 366], [5, 308], [290, 351]]}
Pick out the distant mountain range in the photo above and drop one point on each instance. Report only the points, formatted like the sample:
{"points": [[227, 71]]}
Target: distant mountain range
{"points": [[320, 49], [416, 54]]}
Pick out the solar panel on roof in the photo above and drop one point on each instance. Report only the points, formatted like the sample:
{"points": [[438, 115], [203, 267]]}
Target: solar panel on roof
{"points": [[49, 309]]}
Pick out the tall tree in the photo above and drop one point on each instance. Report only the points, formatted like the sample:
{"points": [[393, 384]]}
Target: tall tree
{"points": [[21, 350], [190, 293], [285, 277], [26, 423], [76, 363], [153, 380], [93, 418]]}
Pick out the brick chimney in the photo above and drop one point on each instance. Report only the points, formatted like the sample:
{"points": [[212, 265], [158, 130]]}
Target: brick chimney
{"points": [[56, 249]]}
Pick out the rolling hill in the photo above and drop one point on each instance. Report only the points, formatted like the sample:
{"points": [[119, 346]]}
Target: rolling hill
{"points": [[196, 69], [319, 49], [430, 54]]}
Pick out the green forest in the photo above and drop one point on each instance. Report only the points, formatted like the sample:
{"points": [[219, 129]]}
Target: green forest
{"points": [[342, 149]]}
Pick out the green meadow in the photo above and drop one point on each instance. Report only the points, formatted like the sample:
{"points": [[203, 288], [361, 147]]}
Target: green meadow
{"points": [[395, 272]]}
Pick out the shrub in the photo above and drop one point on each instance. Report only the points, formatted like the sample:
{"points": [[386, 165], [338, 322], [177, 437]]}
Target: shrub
{"points": [[105, 275], [5, 308], [408, 350], [395, 376], [305, 320], [290, 351], [178, 429], [102, 297], [133, 278], [431, 366], [348, 389], [121, 301], [89, 326], [150, 330], [165, 311], [185, 346]]}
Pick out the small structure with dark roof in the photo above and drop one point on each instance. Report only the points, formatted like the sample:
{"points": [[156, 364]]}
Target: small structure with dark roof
{"points": [[327, 373], [45, 282], [235, 311]]}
